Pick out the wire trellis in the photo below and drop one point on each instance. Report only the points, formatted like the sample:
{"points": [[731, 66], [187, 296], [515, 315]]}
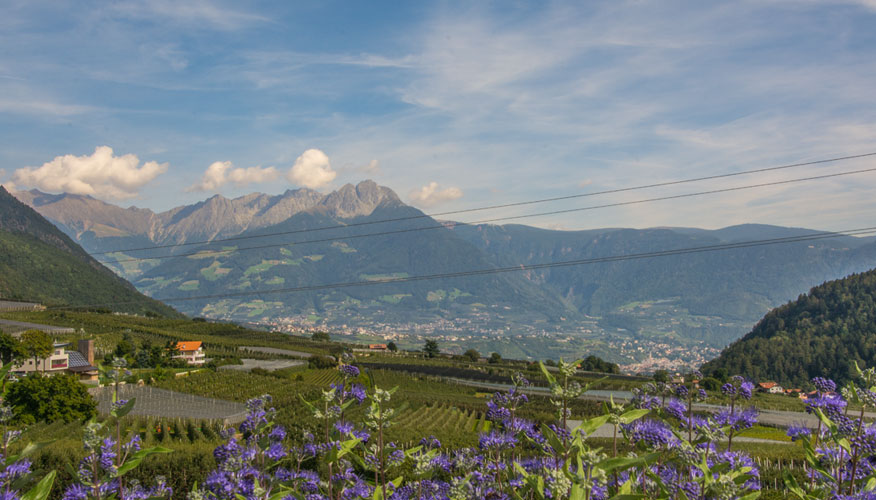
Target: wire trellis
{"points": [[155, 402]]}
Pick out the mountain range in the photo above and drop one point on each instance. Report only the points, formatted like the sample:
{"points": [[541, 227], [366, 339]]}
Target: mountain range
{"points": [[303, 238]]}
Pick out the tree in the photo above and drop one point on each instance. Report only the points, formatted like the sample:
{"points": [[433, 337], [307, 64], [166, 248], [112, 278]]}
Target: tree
{"points": [[125, 347], [711, 384], [60, 397], [10, 348], [36, 344], [495, 358], [472, 354], [661, 376], [391, 346], [431, 348], [321, 337]]}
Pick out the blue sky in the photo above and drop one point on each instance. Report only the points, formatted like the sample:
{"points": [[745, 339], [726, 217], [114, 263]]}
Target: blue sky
{"points": [[452, 104]]}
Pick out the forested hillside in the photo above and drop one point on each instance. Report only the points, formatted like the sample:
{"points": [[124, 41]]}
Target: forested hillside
{"points": [[820, 334], [40, 263]]}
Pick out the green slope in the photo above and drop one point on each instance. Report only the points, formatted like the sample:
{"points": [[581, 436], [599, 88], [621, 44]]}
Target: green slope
{"points": [[723, 287], [39, 263], [819, 334], [367, 260]]}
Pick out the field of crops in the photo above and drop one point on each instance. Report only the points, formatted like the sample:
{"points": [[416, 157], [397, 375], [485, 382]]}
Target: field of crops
{"points": [[458, 427]]}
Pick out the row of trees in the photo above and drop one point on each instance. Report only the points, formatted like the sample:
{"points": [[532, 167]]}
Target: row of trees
{"points": [[147, 355], [590, 363]]}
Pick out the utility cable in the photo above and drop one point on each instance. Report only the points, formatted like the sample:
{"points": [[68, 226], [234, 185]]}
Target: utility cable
{"points": [[506, 205], [450, 225], [521, 267]]}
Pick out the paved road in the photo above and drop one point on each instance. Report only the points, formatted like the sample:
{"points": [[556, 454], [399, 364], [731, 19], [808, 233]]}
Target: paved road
{"points": [[266, 364], [777, 418], [274, 350], [607, 431]]}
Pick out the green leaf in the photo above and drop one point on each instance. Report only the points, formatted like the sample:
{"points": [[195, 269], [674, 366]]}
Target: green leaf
{"points": [[138, 457], [590, 426], [750, 496], [550, 378], [29, 450], [633, 415], [124, 410], [307, 403], [622, 463], [347, 446], [42, 489]]}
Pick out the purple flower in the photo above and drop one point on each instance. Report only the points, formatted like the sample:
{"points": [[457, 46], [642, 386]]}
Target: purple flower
{"points": [[745, 390], [737, 420], [349, 371], [358, 392], [430, 443], [107, 454], [832, 406], [15, 470], [676, 408], [75, 491], [728, 389], [496, 412], [278, 433], [134, 444], [496, 441], [824, 385], [652, 433], [275, 452], [797, 432], [344, 427]]}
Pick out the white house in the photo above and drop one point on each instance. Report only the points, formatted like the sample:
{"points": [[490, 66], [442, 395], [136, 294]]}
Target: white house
{"points": [[192, 352], [79, 362]]}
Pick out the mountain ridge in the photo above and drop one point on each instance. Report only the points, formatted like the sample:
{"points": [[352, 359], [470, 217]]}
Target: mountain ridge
{"points": [[708, 298], [215, 217]]}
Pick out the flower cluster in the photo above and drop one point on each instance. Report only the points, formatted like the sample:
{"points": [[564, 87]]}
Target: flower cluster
{"points": [[842, 461]]}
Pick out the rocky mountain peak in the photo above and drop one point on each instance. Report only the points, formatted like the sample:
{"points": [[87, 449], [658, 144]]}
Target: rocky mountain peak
{"points": [[361, 199]]}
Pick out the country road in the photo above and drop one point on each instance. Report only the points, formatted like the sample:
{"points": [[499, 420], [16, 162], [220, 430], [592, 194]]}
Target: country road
{"points": [[778, 418]]}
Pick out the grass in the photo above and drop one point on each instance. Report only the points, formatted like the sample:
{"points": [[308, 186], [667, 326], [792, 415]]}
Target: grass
{"points": [[394, 299], [762, 432], [215, 271], [189, 285]]}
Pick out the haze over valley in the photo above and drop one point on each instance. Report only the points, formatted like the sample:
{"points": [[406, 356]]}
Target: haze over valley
{"points": [[650, 313]]}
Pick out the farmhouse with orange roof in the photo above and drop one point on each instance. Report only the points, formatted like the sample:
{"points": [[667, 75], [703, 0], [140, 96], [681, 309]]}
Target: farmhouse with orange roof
{"points": [[192, 352]]}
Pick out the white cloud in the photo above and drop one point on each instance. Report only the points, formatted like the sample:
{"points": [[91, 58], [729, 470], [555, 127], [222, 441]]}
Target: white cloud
{"points": [[312, 170], [431, 194], [8, 185], [42, 107], [101, 174], [196, 13], [372, 168], [220, 173]]}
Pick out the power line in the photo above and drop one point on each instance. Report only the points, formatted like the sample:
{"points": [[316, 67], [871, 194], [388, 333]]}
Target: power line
{"points": [[507, 205], [521, 267], [498, 219]]}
